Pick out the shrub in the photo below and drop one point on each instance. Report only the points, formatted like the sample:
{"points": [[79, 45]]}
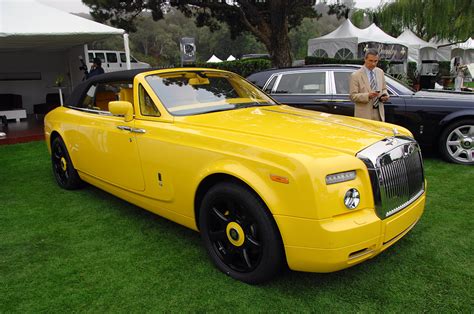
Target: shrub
{"points": [[242, 67]]}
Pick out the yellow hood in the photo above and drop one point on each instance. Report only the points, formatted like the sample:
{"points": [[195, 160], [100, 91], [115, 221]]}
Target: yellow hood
{"points": [[341, 133]]}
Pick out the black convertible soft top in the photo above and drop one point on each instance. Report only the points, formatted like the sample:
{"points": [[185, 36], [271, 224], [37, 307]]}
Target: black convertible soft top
{"points": [[81, 89]]}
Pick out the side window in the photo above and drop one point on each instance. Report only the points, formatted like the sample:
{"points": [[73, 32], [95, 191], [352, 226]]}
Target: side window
{"points": [[147, 106], [302, 83], [269, 87], [101, 56], [91, 56], [123, 58], [98, 96], [111, 57], [341, 80]]}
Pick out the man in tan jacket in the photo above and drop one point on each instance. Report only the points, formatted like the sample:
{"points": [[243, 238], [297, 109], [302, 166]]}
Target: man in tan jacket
{"points": [[368, 89]]}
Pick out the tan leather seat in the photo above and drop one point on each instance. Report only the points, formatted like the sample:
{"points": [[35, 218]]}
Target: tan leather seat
{"points": [[102, 99], [126, 94]]}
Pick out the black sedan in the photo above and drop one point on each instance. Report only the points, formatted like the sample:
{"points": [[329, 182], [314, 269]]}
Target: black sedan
{"points": [[443, 120]]}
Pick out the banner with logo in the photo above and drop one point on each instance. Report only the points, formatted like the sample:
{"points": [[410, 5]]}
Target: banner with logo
{"points": [[188, 50], [388, 52]]}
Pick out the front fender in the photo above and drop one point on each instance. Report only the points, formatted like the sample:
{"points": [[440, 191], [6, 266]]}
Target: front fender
{"points": [[280, 198], [467, 113]]}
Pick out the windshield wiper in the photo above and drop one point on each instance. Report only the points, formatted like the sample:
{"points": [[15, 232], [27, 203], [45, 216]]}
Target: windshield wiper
{"points": [[251, 104]]}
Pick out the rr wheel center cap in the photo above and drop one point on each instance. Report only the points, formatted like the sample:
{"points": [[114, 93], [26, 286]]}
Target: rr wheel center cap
{"points": [[63, 164], [235, 234], [467, 143]]}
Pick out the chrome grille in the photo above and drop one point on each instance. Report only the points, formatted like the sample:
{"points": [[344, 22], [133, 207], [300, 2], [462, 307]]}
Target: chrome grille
{"points": [[396, 171]]}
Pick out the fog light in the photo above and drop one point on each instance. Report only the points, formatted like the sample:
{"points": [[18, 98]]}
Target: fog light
{"points": [[352, 198], [340, 177]]}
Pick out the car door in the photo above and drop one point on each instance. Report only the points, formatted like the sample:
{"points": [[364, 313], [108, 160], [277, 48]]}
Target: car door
{"points": [[105, 143], [339, 86], [342, 104], [156, 146], [301, 89]]}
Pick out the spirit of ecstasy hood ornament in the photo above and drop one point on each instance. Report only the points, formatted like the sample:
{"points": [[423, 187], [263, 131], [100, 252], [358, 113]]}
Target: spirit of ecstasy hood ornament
{"points": [[392, 140]]}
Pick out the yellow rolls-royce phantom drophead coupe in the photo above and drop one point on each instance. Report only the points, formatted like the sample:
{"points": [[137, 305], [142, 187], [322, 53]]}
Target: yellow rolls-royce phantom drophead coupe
{"points": [[265, 184]]}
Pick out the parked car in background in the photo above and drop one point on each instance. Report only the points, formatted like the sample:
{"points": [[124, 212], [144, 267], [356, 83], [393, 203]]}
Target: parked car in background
{"points": [[440, 120], [115, 60], [266, 185]]}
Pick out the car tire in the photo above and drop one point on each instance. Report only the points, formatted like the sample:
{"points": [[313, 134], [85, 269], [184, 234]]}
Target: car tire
{"points": [[240, 234], [457, 142], [64, 172]]}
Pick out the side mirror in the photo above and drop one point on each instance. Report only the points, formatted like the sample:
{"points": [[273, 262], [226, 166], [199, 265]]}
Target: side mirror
{"points": [[122, 108]]}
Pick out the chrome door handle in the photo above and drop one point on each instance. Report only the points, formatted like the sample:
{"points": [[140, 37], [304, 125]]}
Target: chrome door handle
{"points": [[133, 130], [322, 100]]}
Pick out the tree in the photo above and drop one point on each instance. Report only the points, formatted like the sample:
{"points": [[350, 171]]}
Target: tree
{"points": [[268, 20], [452, 20]]}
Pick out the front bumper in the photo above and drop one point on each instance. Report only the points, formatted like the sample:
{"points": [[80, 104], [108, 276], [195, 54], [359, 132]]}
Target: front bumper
{"points": [[343, 241]]}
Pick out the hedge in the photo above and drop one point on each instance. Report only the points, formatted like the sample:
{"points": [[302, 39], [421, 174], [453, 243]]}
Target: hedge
{"points": [[242, 67], [248, 66]]}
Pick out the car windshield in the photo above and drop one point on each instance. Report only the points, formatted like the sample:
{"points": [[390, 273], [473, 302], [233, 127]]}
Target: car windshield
{"points": [[198, 92]]}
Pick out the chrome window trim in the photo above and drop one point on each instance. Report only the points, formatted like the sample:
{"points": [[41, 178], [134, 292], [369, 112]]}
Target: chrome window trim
{"points": [[391, 90], [280, 75], [88, 110], [330, 79], [268, 82]]}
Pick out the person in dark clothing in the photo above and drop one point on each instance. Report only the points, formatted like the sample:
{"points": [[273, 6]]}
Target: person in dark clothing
{"points": [[96, 68]]}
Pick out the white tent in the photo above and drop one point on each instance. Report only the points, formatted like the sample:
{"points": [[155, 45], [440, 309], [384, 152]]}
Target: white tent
{"points": [[464, 50], [342, 41], [378, 35], [444, 49], [418, 49], [231, 58], [214, 59], [350, 42], [39, 43]]}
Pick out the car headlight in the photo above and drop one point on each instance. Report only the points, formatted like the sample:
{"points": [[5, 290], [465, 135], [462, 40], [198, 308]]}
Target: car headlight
{"points": [[340, 177], [352, 198]]}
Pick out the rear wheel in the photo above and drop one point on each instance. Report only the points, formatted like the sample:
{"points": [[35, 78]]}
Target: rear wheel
{"points": [[63, 169], [457, 142], [239, 233]]}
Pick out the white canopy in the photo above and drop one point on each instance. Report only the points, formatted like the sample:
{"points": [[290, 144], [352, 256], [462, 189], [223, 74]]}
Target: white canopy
{"points": [[374, 33], [39, 44], [464, 50], [231, 58], [443, 53], [346, 36], [344, 41], [418, 49], [27, 24], [214, 59]]}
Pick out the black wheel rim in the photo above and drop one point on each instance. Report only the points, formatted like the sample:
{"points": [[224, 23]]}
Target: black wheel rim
{"points": [[234, 235], [60, 164]]}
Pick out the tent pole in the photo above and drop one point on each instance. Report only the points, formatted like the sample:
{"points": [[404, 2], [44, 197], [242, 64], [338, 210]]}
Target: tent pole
{"points": [[127, 50]]}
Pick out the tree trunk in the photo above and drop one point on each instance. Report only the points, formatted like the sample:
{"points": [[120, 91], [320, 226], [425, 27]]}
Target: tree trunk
{"points": [[279, 40], [280, 51]]}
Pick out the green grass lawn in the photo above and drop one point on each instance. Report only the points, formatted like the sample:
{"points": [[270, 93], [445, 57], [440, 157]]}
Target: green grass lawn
{"points": [[87, 251]]}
